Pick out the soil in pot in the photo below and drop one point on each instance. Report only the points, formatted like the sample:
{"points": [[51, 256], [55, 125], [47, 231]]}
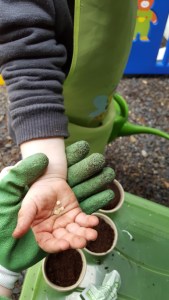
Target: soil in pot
{"points": [[64, 268], [104, 240], [115, 201]]}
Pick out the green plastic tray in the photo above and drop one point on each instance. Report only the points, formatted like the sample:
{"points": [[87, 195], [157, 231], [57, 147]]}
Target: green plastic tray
{"points": [[141, 257]]}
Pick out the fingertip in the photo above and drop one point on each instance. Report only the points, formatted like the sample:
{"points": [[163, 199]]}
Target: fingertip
{"points": [[19, 231], [92, 236], [26, 216], [15, 234], [93, 220], [53, 246], [78, 242], [64, 245], [87, 220]]}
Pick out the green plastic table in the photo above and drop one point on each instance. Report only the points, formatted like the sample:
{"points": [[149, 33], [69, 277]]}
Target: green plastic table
{"points": [[141, 257]]}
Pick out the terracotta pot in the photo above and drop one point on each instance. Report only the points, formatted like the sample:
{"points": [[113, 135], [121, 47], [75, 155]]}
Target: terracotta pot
{"points": [[116, 203], [107, 237], [64, 271]]}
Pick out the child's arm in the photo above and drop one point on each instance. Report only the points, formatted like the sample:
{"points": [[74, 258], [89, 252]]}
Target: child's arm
{"points": [[33, 54], [33, 36], [32, 61]]}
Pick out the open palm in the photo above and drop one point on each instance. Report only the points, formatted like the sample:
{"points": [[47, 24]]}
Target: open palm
{"points": [[52, 210]]}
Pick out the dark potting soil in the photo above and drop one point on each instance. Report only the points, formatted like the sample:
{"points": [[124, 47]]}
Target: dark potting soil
{"points": [[104, 240], [64, 268], [114, 202]]}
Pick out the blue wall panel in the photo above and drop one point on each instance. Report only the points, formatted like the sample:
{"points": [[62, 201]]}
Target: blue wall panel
{"points": [[143, 55]]}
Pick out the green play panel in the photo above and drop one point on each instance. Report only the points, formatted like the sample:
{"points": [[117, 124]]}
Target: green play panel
{"points": [[141, 257]]}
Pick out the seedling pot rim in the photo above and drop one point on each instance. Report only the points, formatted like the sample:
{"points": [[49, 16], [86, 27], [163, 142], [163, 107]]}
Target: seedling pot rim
{"points": [[68, 288], [112, 224], [120, 203]]}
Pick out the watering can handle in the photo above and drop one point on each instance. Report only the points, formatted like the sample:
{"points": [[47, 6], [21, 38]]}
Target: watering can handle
{"points": [[122, 127]]}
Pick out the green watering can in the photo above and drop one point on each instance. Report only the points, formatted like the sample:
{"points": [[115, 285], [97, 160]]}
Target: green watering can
{"points": [[122, 127]]}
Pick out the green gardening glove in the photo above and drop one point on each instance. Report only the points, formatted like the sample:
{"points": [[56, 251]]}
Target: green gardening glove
{"points": [[87, 176], [16, 255]]}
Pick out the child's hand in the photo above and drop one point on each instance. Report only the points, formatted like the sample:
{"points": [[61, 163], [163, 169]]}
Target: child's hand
{"points": [[51, 209], [50, 206], [70, 228]]}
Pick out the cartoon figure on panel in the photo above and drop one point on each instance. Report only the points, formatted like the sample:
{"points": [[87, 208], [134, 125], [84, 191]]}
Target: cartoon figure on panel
{"points": [[144, 17]]}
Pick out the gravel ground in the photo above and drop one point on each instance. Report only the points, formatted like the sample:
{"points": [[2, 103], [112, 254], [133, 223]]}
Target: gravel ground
{"points": [[141, 162]]}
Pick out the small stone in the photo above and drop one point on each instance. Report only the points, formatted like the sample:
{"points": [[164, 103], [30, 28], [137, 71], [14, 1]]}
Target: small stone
{"points": [[1, 118], [133, 139], [8, 146], [8, 138], [144, 153], [16, 290], [166, 184]]}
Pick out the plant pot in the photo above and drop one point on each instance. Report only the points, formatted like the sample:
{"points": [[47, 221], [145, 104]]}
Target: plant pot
{"points": [[116, 203], [107, 237], [65, 270]]}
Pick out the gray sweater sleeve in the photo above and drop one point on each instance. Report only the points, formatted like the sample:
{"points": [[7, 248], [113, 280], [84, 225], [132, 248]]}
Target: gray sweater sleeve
{"points": [[32, 61]]}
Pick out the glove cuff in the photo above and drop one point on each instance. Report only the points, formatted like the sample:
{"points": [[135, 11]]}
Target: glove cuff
{"points": [[8, 278]]}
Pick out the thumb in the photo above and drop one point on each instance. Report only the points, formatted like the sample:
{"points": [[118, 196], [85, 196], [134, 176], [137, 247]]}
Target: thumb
{"points": [[26, 216], [25, 172]]}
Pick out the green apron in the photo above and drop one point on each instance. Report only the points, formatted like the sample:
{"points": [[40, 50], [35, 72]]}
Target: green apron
{"points": [[103, 32]]}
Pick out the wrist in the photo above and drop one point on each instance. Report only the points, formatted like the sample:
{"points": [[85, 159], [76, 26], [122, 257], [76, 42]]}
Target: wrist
{"points": [[7, 279], [54, 149], [5, 294]]}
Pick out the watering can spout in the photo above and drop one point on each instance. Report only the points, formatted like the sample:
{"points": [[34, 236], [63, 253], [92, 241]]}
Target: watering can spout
{"points": [[122, 127], [129, 129]]}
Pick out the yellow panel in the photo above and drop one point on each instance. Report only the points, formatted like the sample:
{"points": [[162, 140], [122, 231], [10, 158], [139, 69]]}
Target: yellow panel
{"points": [[2, 82]]}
